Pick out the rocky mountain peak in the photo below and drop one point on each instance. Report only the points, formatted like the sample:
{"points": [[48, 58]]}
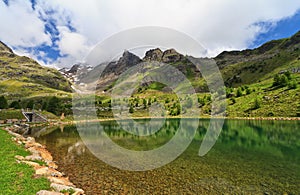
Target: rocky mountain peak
{"points": [[153, 55], [128, 59], [171, 55]]}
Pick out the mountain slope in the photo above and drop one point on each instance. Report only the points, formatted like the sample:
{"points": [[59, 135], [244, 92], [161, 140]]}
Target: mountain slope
{"points": [[21, 76], [252, 66]]}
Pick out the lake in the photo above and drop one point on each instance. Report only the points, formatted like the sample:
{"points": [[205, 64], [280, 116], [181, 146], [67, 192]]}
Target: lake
{"points": [[249, 157]]}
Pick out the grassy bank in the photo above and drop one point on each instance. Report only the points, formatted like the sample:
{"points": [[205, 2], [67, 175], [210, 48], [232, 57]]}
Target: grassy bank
{"points": [[16, 178]]}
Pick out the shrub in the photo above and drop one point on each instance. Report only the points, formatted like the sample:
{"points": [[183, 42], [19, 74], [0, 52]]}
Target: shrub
{"points": [[293, 84], [239, 92], [248, 91], [145, 103], [3, 102], [131, 110], [54, 105], [256, 104], [280, 80], [201, 101], [167, 101], [15, 105], [30, 104], [233, 100]]}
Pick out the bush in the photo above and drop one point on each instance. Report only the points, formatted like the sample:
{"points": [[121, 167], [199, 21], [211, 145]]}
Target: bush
{"points": [[145, 103], [280, 80], [45, 105], [201, 101], [30, 104], [15, 105], [3, 102], [233, 100], [293, 84], [248, 91], [54, 106], [256, 104], [131, 110], [239, 92]]}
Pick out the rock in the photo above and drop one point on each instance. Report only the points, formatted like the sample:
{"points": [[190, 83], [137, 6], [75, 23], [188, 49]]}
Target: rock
{"points": [[61, 180], [20, 157], [154, 55], [267, 98], [45, 192], [14, 134], [30, 144], [52, 165], [33, 164], [30, 139], [33, 157], [42, 171], [59, 188], [44, 154], [33, 151], [45, 171], [171, 55]]}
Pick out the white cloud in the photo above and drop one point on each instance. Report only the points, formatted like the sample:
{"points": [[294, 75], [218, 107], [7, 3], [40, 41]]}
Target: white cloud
{"points": [[218, 25], [20, 25]]}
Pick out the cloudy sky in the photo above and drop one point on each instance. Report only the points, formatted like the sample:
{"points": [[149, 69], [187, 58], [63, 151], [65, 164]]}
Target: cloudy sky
{"points": [[62, 32]]}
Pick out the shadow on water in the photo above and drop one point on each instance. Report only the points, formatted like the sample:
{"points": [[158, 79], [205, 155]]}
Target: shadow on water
{"points": [[249, 157]]}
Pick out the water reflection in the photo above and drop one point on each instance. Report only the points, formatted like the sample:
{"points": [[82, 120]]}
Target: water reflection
{"points": [[249, 157]]}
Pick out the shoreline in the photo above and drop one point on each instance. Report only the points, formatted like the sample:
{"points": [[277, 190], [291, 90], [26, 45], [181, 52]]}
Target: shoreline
{"points": [[59, 182], [179, 117]]}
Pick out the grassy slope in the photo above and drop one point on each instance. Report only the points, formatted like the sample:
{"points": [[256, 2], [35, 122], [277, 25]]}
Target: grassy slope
{"points": [[16, 178], [23, 77], [280, 102]]}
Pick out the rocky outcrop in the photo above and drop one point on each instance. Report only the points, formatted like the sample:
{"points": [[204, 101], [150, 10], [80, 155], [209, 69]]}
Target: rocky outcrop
{"points": [[127, 61], [153, 55], [171, 56], [47, 168]]}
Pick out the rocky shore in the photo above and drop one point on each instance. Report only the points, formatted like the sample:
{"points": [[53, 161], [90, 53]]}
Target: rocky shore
{"points": [[60, 184]]}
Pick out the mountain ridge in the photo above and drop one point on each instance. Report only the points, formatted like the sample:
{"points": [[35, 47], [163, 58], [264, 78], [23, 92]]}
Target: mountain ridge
{"points": [[20, 73]]}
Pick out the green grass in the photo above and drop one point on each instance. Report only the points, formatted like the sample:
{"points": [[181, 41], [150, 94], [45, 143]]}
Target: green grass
{"points": [[11, 114], [17, 178], [22, 89]]}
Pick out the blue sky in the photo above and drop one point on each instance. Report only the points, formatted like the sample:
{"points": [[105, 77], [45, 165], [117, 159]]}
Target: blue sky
{"points": [[61, 33], [282, 29]]}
